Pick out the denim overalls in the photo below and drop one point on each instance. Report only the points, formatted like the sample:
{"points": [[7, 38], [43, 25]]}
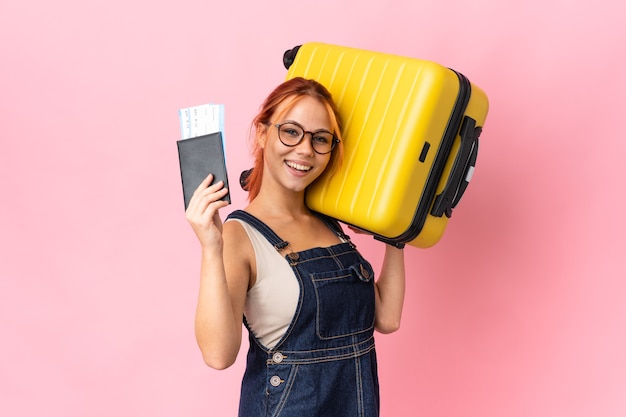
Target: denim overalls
{"points": [[325, 364]]}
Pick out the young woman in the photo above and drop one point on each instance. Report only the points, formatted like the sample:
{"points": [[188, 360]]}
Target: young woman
{"points": [[307, 297]]}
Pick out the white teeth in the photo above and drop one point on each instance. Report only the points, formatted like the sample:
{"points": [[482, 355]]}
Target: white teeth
{"points": [[298, 166]]}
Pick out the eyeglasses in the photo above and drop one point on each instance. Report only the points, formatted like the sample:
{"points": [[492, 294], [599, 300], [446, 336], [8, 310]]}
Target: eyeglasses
{"points": [[291, 134]]}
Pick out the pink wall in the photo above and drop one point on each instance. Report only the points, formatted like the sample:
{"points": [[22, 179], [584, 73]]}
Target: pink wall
{"points": [[519, 311]]}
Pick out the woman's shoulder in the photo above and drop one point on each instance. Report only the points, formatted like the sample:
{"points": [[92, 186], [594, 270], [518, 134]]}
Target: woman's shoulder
{"points": [[239, 256], [233, 230]]}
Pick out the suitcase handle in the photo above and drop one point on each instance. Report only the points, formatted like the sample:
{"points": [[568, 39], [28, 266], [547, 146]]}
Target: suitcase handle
{"points": [[290, 55], [462, 170]]}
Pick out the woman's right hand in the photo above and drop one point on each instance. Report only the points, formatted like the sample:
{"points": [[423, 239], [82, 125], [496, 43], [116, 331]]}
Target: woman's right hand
{"points": [[203, 212]]}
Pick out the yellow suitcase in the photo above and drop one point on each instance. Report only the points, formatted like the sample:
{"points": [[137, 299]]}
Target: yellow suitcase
{"points": [[410, 133]]}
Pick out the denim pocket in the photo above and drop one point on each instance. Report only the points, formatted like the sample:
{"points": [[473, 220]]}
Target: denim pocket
{"points": [[345, 301]]}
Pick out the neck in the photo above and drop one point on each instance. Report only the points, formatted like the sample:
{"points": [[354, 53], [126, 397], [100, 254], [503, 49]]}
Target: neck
{"points": [[282, 205]]}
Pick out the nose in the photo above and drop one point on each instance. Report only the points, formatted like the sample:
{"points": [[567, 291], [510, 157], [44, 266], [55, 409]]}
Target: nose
{"points": [[305, 146]]}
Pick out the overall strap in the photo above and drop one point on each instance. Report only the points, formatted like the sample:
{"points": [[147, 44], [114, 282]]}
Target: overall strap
{"points": [[333, 225], [264, 229]]}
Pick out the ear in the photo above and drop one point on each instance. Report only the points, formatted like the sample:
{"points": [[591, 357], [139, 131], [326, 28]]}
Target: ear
{"points": [[262, 131]]}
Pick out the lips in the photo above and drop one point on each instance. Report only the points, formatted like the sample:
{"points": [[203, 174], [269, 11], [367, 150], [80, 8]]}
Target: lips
{"points": [[298, 167]]}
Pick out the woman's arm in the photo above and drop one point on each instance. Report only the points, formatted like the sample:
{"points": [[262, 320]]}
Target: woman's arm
{"points": [[390, 291], [224, 277]]}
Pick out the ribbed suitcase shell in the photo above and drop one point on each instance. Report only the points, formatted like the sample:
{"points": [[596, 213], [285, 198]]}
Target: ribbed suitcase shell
{"points": [[395, 111]]}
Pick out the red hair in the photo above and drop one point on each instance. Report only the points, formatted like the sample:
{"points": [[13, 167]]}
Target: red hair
{"points": [[294, 89]]}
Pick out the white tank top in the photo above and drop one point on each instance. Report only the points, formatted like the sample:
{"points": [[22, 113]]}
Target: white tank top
{"points": [[271, 303]]}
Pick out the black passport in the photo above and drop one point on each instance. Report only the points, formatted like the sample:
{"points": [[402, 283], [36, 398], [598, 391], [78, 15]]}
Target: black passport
{"points": [[199, 157]]}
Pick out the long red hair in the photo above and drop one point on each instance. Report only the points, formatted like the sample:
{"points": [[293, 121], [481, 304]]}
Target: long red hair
{"points": [[293, 90]]}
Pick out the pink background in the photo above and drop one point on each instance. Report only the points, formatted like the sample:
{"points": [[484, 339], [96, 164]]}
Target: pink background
{"points": [[520, 310]]}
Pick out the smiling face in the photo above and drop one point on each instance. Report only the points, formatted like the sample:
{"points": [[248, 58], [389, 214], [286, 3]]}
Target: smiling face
{"points": [[294, 168]]}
